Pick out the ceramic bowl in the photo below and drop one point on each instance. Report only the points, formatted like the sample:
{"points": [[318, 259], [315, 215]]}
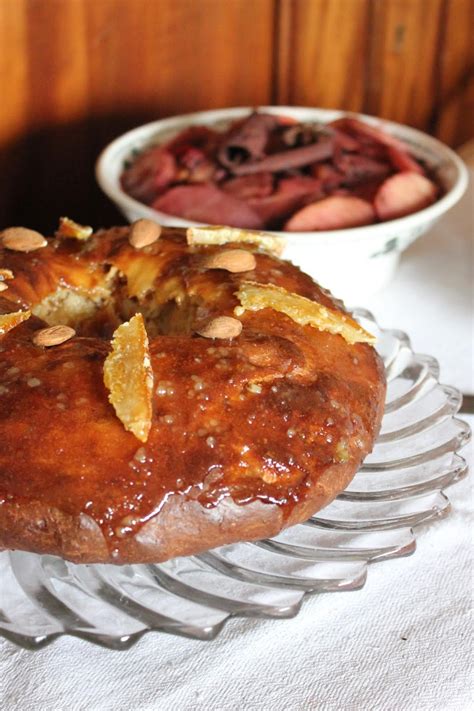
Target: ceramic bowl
{"points": [[353, 263]]}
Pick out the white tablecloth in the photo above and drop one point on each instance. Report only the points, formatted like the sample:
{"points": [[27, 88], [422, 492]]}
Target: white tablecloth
{"points": [[403, 642]]}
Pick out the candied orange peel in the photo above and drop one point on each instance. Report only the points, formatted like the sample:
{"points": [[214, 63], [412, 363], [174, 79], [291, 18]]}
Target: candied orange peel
{"points": [[9, 321], [217, 235], [128, 376], [253, 297], [69, 228]]}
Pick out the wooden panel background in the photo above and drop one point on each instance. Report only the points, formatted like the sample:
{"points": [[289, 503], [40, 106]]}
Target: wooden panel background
{"points": [[76, 73]]}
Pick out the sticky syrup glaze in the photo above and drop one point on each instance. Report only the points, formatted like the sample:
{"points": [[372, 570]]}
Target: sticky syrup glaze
{"points": [[261, 417]]}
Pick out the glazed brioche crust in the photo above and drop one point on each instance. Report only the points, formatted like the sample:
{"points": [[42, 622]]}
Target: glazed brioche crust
{"points": [[184, 527], [248, 436]]}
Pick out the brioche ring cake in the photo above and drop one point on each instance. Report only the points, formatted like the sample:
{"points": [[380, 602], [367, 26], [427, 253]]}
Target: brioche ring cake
{"points": [[163, 391]]}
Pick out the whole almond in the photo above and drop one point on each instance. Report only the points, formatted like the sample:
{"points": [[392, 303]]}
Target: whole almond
{"points": [[232, 260], [221, 327], [21, 239], [53, 336], [144, 232]]}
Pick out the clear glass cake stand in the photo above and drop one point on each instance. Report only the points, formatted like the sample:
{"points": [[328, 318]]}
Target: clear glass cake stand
{"points": [[400, 486]]}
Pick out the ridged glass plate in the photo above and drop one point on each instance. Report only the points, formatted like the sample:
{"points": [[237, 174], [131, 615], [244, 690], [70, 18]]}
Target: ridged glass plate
{"points": [[400, 485]]}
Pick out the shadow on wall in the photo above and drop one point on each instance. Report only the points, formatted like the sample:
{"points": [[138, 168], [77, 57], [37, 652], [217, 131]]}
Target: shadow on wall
{"points": [[50, 172]]}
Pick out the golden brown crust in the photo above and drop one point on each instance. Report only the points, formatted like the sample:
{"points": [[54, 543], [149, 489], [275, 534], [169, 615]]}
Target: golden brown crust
{"points": [[184, 527], [248, 436]]}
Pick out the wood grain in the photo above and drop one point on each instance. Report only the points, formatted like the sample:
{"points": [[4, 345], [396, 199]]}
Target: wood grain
{"points": [[79, 72], [326, 62], [407, 60], [13, 69], [76, 73], [453, 114], [403, 59], [179, 55]]}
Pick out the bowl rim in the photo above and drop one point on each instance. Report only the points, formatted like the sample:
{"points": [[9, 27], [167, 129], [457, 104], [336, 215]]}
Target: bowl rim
{"points": [[143, 134]]}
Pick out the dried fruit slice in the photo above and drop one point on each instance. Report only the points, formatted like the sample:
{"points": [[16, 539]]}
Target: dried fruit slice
{"points": [[224, 235], [9, 321], [402, 160], [402, 194], [336, 212], [207, 204], [69, 228], [129, 378], [360, 129], [254, 297]]}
